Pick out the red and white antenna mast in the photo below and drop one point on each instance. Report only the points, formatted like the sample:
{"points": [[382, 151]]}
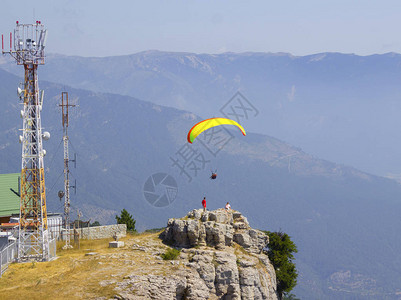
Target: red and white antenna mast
{"points": [[27, 48]]}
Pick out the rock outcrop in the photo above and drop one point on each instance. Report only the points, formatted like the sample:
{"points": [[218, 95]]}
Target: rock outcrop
{"points": [[218, 228], [221, 258]]}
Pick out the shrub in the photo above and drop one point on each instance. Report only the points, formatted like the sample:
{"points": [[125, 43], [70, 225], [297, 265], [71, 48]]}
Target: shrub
{"points": [[94, 224], [171, 254]]}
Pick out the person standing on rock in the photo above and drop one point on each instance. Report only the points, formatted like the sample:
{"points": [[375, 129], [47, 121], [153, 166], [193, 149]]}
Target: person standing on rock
{"points": [[204, 204], [228, 206]]}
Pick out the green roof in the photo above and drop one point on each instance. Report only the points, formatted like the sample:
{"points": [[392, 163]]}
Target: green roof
{"points": [[9, 201]]}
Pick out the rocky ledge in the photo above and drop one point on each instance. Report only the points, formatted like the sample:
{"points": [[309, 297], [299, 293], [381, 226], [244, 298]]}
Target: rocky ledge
{"points": [[218, 229], [221, 258]]}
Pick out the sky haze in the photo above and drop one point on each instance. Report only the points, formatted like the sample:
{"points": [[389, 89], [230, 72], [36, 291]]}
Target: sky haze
{"points": [[109, 28]]}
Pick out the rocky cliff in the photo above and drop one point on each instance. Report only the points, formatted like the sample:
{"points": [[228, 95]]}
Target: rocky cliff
{"points": [[222, 258]]}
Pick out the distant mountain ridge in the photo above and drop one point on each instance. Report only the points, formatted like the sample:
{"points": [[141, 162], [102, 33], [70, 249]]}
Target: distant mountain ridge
{"points": [[329, 104]]}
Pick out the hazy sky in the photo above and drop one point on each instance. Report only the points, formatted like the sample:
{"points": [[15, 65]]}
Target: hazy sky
{"points": [[106, 28]]}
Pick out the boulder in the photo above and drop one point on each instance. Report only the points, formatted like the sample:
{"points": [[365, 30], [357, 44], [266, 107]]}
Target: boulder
{"points": [[251, 240]]}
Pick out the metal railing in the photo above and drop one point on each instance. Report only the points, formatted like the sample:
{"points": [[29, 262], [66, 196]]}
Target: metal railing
{"points": [[7, 256]]}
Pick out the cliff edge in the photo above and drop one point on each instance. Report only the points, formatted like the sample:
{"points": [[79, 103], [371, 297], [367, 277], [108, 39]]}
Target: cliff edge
{"points": [[222, 258]]}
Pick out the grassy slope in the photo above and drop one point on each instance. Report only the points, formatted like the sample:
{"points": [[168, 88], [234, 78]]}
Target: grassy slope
{"points": [[76, 276]]}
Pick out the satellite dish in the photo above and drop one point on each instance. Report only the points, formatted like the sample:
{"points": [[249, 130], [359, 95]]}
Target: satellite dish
{"points": [[43, 152], [46, 135], [22, 114], [60, 194], [20, 139]]}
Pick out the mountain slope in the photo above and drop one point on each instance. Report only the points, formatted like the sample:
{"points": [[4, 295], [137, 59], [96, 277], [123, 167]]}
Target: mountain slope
{"points": [[329, 104], [340, 218]]}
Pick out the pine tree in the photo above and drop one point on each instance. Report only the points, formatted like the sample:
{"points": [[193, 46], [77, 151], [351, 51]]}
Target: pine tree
{"points": [[126, 218], [280, 253]]}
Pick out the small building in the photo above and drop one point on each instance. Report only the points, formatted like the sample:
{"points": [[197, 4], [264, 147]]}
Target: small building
{"points": [[54, 224], [9, 196], [9, 205]]}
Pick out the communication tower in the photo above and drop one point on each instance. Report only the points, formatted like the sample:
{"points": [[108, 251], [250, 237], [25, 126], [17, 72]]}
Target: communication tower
{"points": [[64, 111], [27, 49]]}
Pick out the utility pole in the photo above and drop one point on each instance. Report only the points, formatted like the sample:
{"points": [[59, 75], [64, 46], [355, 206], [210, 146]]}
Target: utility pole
{"points": [[28, 50], [64, 111], [79, 215]]}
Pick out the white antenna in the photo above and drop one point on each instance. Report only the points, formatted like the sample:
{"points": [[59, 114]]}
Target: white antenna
{"points": [[43, 39], [42, 94]]}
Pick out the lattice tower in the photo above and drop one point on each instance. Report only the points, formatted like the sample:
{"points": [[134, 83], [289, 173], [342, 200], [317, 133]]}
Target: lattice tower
{"points": [[28, 50], [64, 106]]}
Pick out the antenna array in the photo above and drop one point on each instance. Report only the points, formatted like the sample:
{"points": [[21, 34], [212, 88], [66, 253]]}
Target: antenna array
{"points": [[28, 50]]}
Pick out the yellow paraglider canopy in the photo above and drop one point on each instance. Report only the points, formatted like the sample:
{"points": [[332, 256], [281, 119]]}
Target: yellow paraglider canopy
{"points": [[209, 123]]}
